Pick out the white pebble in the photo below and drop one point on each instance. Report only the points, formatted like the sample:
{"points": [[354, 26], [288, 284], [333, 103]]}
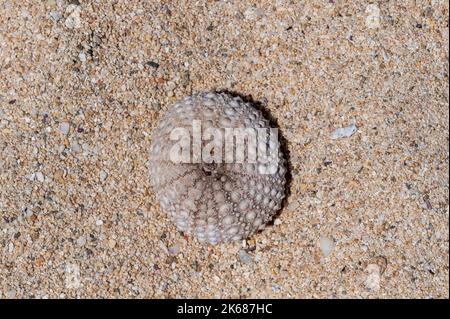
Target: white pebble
{"points": [[373, 277], [373, 16], [11, 294], [25, 14], [28, 212], [82, 57], [163, 247], [293, 205], [344, 132], [326, 245], [103, 175], [253, 13], [39, 177], [244, 256], [99, 222], [55, 16], [111, 243], [64, 128], [73, 21], [175, 249], [81, 241], [277, 222], [75, 147]]}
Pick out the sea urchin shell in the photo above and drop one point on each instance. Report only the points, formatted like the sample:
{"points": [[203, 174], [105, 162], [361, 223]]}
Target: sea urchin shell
{"points": [[206, 192]]}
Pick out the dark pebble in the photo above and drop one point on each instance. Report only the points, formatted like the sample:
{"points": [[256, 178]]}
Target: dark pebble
{"points": [[327, 162], [153, 64]]}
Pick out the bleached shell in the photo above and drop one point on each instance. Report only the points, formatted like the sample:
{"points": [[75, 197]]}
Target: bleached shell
{"points": [[219, 202]]}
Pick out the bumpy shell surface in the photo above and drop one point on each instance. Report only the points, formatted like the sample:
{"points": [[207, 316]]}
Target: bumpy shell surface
{"points": [[216, 202]]}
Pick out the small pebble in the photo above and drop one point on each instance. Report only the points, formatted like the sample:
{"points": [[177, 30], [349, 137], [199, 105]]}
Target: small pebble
{"points": [[175, 249], [103, 175], [55, 16], [153, 64], [293, 205], [372, 16], [245, 257], [344, 132], [163, 247], [373, 277], [39, 177], [82, 56], [28, 212], [111, 243], [253, 13], [81, 241], [99, 222], [75, 147], [73, 20], [326, 245], [64, 128], [11, 294], [276, 288]]}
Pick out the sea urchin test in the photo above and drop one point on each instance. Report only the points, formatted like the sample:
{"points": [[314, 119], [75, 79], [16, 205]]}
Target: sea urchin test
{"points": [[217, 168]]}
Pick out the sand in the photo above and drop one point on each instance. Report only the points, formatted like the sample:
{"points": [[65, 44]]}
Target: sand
{"points": [[82, 85]]}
